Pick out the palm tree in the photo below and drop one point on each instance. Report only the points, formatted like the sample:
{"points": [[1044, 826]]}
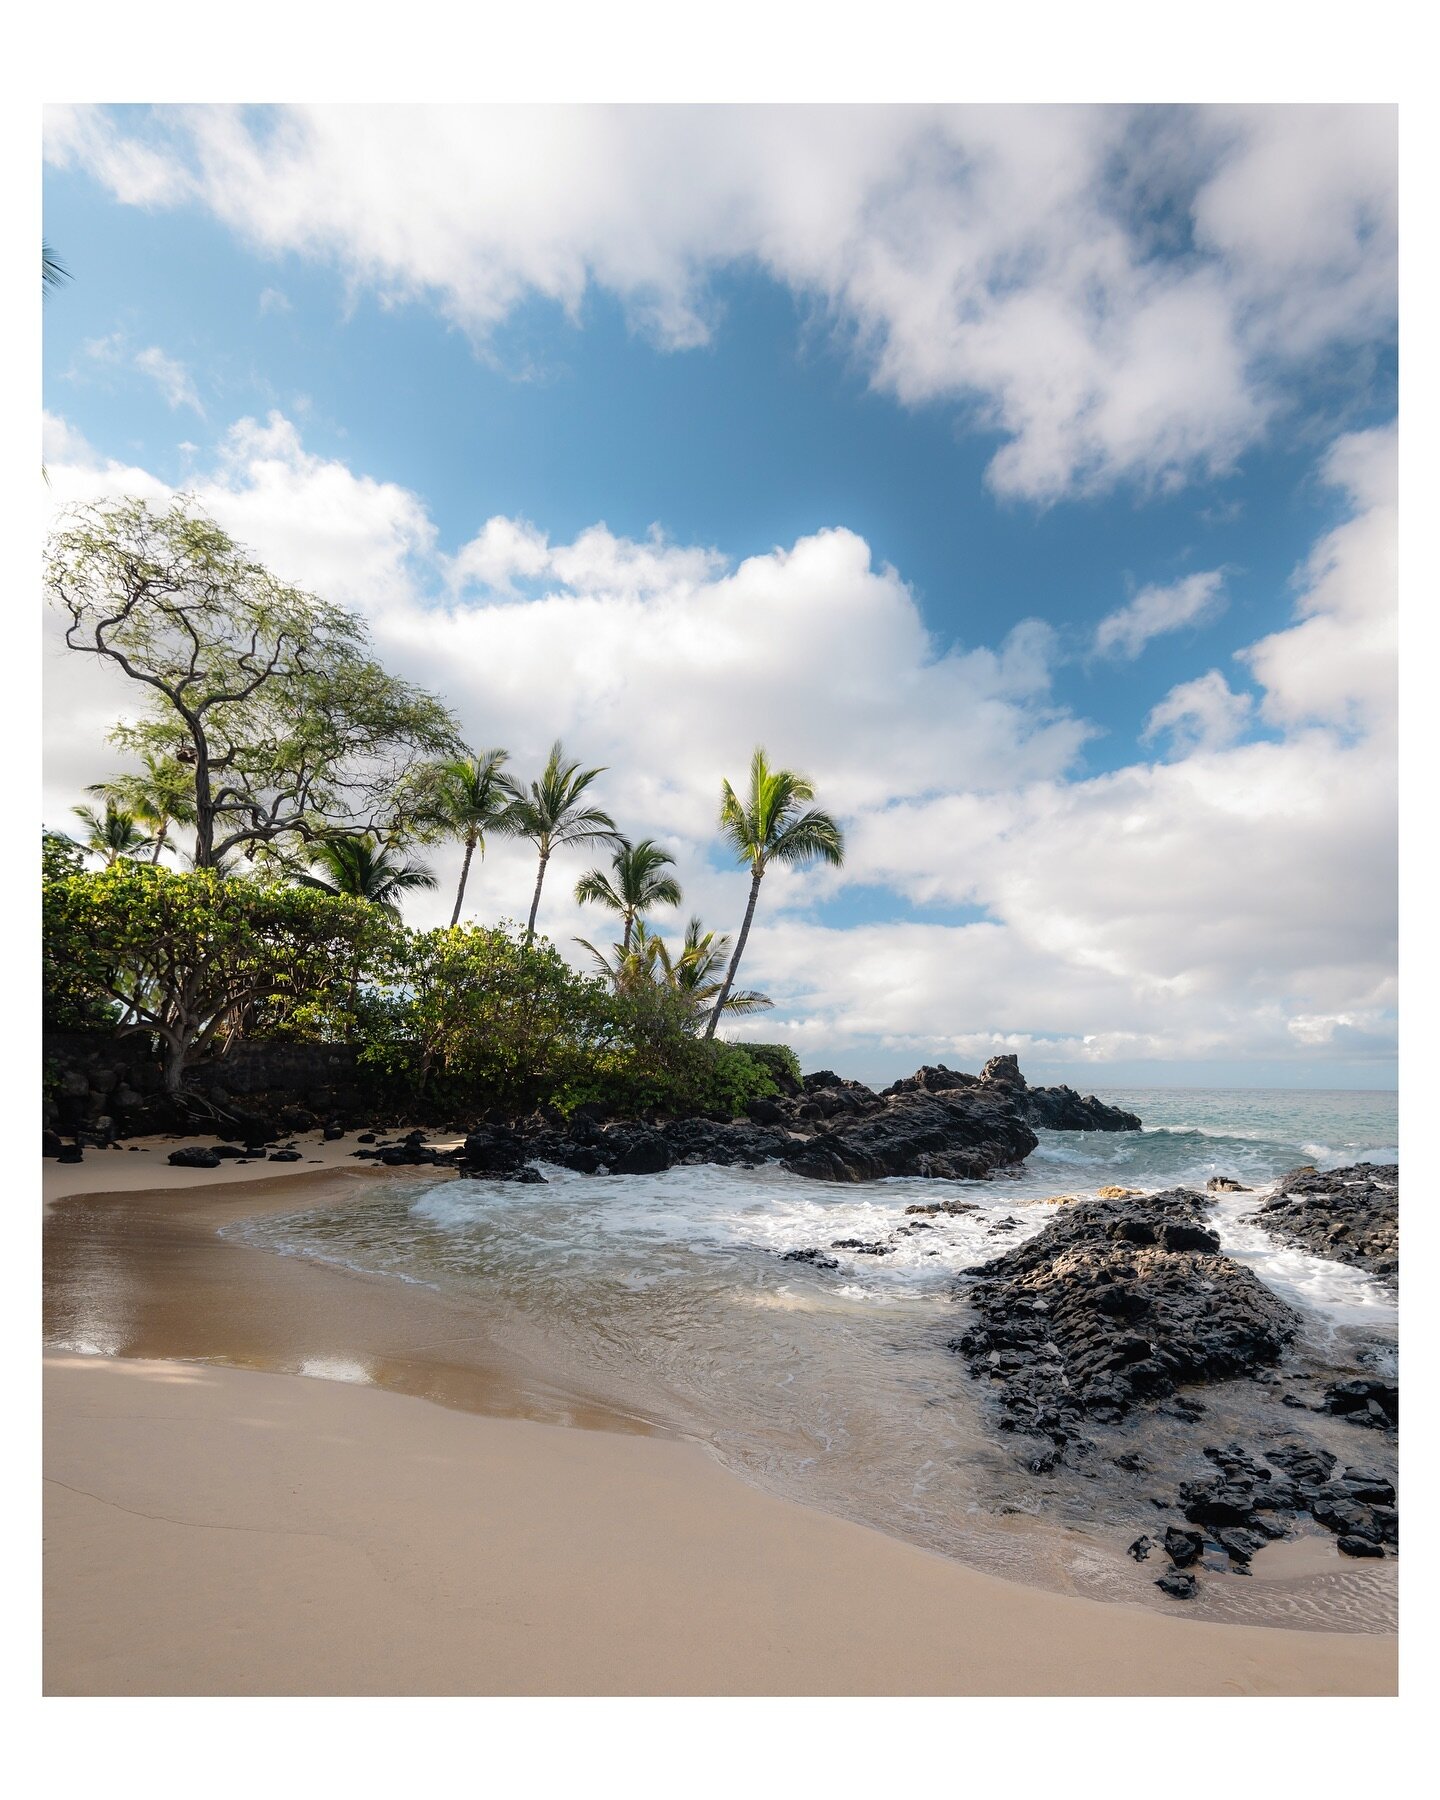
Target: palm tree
{"points": [[771, 827], [695, 972], [631, 965], [638, 883], [550, 814], [52, 270], [164, 795], [471, 797], [112, 834], [366, 870]]}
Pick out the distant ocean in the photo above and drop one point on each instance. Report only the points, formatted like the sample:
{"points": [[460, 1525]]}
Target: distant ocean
{"points": [[670, 1295]]}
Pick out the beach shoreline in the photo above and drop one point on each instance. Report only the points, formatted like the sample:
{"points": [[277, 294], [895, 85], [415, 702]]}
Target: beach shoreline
{"points": [[219, 1531], [204, 1312]]}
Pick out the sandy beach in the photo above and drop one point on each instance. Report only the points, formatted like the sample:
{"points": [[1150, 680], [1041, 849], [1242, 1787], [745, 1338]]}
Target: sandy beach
{"points": [[221, 1521]]}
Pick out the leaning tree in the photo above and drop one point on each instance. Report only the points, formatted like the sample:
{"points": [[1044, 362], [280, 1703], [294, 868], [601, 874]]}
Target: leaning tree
{"points": [[266, 696]]}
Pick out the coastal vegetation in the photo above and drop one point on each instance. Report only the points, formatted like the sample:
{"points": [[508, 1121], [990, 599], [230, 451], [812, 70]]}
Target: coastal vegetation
{"points": [[255, 857]]}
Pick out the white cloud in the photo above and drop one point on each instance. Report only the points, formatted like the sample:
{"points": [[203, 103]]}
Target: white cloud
{"points": [[1204, 714], [1195, 600], [1123, 294], [171, 377], [274, 300], [1235, 901], [1339, 666]]}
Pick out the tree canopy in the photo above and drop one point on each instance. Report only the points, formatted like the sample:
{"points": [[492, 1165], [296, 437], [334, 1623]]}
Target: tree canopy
{"points": [[265, 694]]}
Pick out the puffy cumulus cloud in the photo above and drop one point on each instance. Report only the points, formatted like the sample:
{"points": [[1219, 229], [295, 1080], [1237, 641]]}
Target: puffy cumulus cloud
{"points": [[1339, 665], [1235, 901], [1155, 610], [1204, 714], [1121, 293]]}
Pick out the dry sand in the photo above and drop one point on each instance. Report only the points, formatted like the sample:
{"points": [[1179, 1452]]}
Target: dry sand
{"points": [[216, 1531], [127, 1170]]}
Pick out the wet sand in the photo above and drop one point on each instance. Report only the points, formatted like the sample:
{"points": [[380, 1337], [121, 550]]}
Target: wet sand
{"points": [[213, 1529]]}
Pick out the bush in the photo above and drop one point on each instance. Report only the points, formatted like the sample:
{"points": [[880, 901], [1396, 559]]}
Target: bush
{"points": [[778, 1060]]}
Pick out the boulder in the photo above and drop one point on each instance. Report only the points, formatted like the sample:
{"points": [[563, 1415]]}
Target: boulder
{"points": [[195, 1156]]}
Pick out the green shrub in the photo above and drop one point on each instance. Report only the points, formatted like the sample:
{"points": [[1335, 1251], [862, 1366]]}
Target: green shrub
{"points": [[778, 1059]]}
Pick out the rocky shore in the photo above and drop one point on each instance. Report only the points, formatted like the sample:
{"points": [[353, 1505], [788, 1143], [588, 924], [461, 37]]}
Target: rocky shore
{"points": [[937, 1123], [1349, 1215], [1123, 1311]]}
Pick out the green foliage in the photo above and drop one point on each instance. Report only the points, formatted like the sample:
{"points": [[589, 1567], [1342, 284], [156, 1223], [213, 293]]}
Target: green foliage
{"points": [[191, 957], [263, 694], [777, 1059], [59, 856], [477, 1011], [481, 1015]]}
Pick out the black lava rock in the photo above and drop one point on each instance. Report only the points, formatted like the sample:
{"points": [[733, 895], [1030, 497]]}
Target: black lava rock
{"points": [[1179, 1587], [194, 1157], [1098, 1313], [1349, 1215]]}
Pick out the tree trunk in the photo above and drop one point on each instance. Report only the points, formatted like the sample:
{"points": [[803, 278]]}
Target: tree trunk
{"points": [[159, 842], [535, 903], [729, 981], [174, 1065], [204, 811], [464, 877]]}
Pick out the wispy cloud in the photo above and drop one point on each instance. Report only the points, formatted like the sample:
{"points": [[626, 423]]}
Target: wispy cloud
{"points": [[171, 377], [1155, 610]]}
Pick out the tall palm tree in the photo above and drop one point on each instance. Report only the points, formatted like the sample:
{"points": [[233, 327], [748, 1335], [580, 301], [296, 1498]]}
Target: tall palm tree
{"points": [[473, 798], [770, 826], [638, 883], [695, 972], [550, 814], [164, 795], [366, 870], [112, 834]]}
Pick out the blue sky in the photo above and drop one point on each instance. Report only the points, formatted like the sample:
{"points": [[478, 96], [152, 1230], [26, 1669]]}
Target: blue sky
{"points": [[562, 363]]}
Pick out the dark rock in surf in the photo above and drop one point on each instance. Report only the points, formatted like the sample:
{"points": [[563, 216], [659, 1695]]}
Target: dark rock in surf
{"points": [[962, 1134], [1116, 1303], [1349, 1215], [817, 1259], [1365, 1402], [1179, 1587], [1183, 1547]]}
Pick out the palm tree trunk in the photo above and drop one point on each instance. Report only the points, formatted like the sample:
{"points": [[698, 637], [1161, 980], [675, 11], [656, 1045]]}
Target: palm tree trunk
{"points": [[535, 903], [730, 973], [159, 842], [464, 876]]}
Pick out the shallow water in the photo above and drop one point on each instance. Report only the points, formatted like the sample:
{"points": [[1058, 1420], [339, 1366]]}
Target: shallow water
{"points": [[670, 1294]]}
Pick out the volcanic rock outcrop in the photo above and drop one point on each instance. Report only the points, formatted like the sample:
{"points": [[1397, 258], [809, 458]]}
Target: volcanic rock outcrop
{"points": [[1350, 1215], [1115, 1302]]}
